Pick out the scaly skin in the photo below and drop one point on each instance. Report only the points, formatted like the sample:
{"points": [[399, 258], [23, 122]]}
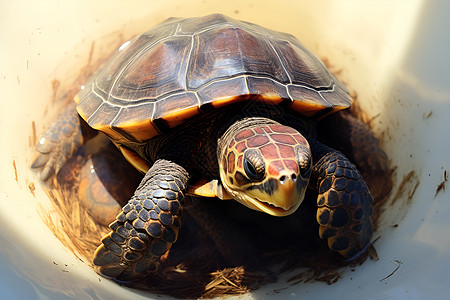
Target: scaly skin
{"points": [[344, 202], [147, 225], [58, 143]]}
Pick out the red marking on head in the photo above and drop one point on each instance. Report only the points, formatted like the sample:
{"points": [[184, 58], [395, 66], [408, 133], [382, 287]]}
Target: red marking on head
{"points": [[292, 165], [284, 138], [267, 129], [241, 146], [275, 167], [239, 162], [282, 129], [231, 159], [244, 134], [241, 179], [224, 164], [300, 139], [258, 130], [257, 141], [269, 151], [286, 151]]}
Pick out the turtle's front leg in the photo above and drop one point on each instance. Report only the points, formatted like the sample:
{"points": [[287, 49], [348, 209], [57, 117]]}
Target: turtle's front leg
{"points": [[344, 202], [60, 141], [147, 225]]}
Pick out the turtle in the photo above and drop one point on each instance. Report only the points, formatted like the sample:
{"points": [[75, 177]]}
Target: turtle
{"points": [[213, 107]]}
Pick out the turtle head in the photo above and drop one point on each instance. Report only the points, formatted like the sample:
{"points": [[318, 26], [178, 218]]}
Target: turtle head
{"points": [[266, 167]]}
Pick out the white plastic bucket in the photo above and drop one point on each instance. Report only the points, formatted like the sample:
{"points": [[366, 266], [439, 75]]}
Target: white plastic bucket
{"points": [[394, 54]]}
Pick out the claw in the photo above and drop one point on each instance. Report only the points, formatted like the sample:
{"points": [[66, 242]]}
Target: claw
{"points": [[58, 143], [40, 160], [46, 173]]}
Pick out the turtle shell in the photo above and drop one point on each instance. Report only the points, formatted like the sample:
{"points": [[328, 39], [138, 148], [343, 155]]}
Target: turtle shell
{"points": [[184, 67]]}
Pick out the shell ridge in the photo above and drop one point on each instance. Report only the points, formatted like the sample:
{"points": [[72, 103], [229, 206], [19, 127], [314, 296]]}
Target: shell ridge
{"points": [[279, 59], [188, 62], [87, 94], [133, 59], [95, 89], [240, 52], [177, 29], [321, 96], [93, 114], [137, 102], [215, 26]]}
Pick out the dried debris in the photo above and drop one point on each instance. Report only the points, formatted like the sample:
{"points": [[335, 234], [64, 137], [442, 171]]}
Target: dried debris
{"points": [[397, 264], [441, 186], [16, 177]]}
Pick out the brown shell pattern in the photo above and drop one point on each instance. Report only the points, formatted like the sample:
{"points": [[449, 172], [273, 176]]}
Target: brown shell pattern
{"points": [[183, 67]]}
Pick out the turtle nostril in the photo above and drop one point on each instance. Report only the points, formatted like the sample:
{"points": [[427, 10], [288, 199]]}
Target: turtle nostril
{"points": [[285, 178]]}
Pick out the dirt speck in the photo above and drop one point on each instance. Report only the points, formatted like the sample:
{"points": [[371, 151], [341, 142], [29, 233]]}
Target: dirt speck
{"points": [[32, 188], [441, 186], [15, 171], [427, 116]]}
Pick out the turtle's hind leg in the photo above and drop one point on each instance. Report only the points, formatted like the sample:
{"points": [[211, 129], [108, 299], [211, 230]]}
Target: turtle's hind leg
{"points": [[147, 225], [344, 202]]}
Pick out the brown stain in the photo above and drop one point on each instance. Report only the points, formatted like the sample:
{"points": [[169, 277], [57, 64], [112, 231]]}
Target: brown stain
{"points": [[357, 111], [426, 117], [407, 187], [381, 189], [55, 84], [16, 177], [441, 186], [91, 53]]}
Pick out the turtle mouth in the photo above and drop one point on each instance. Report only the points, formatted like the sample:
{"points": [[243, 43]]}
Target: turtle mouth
{"points": [[288, 202], [271, 209]]}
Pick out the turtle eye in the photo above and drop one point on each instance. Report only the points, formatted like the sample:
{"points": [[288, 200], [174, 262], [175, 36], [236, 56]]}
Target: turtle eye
{"points": [[254, 165], [304, 161], [305, 168]]}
